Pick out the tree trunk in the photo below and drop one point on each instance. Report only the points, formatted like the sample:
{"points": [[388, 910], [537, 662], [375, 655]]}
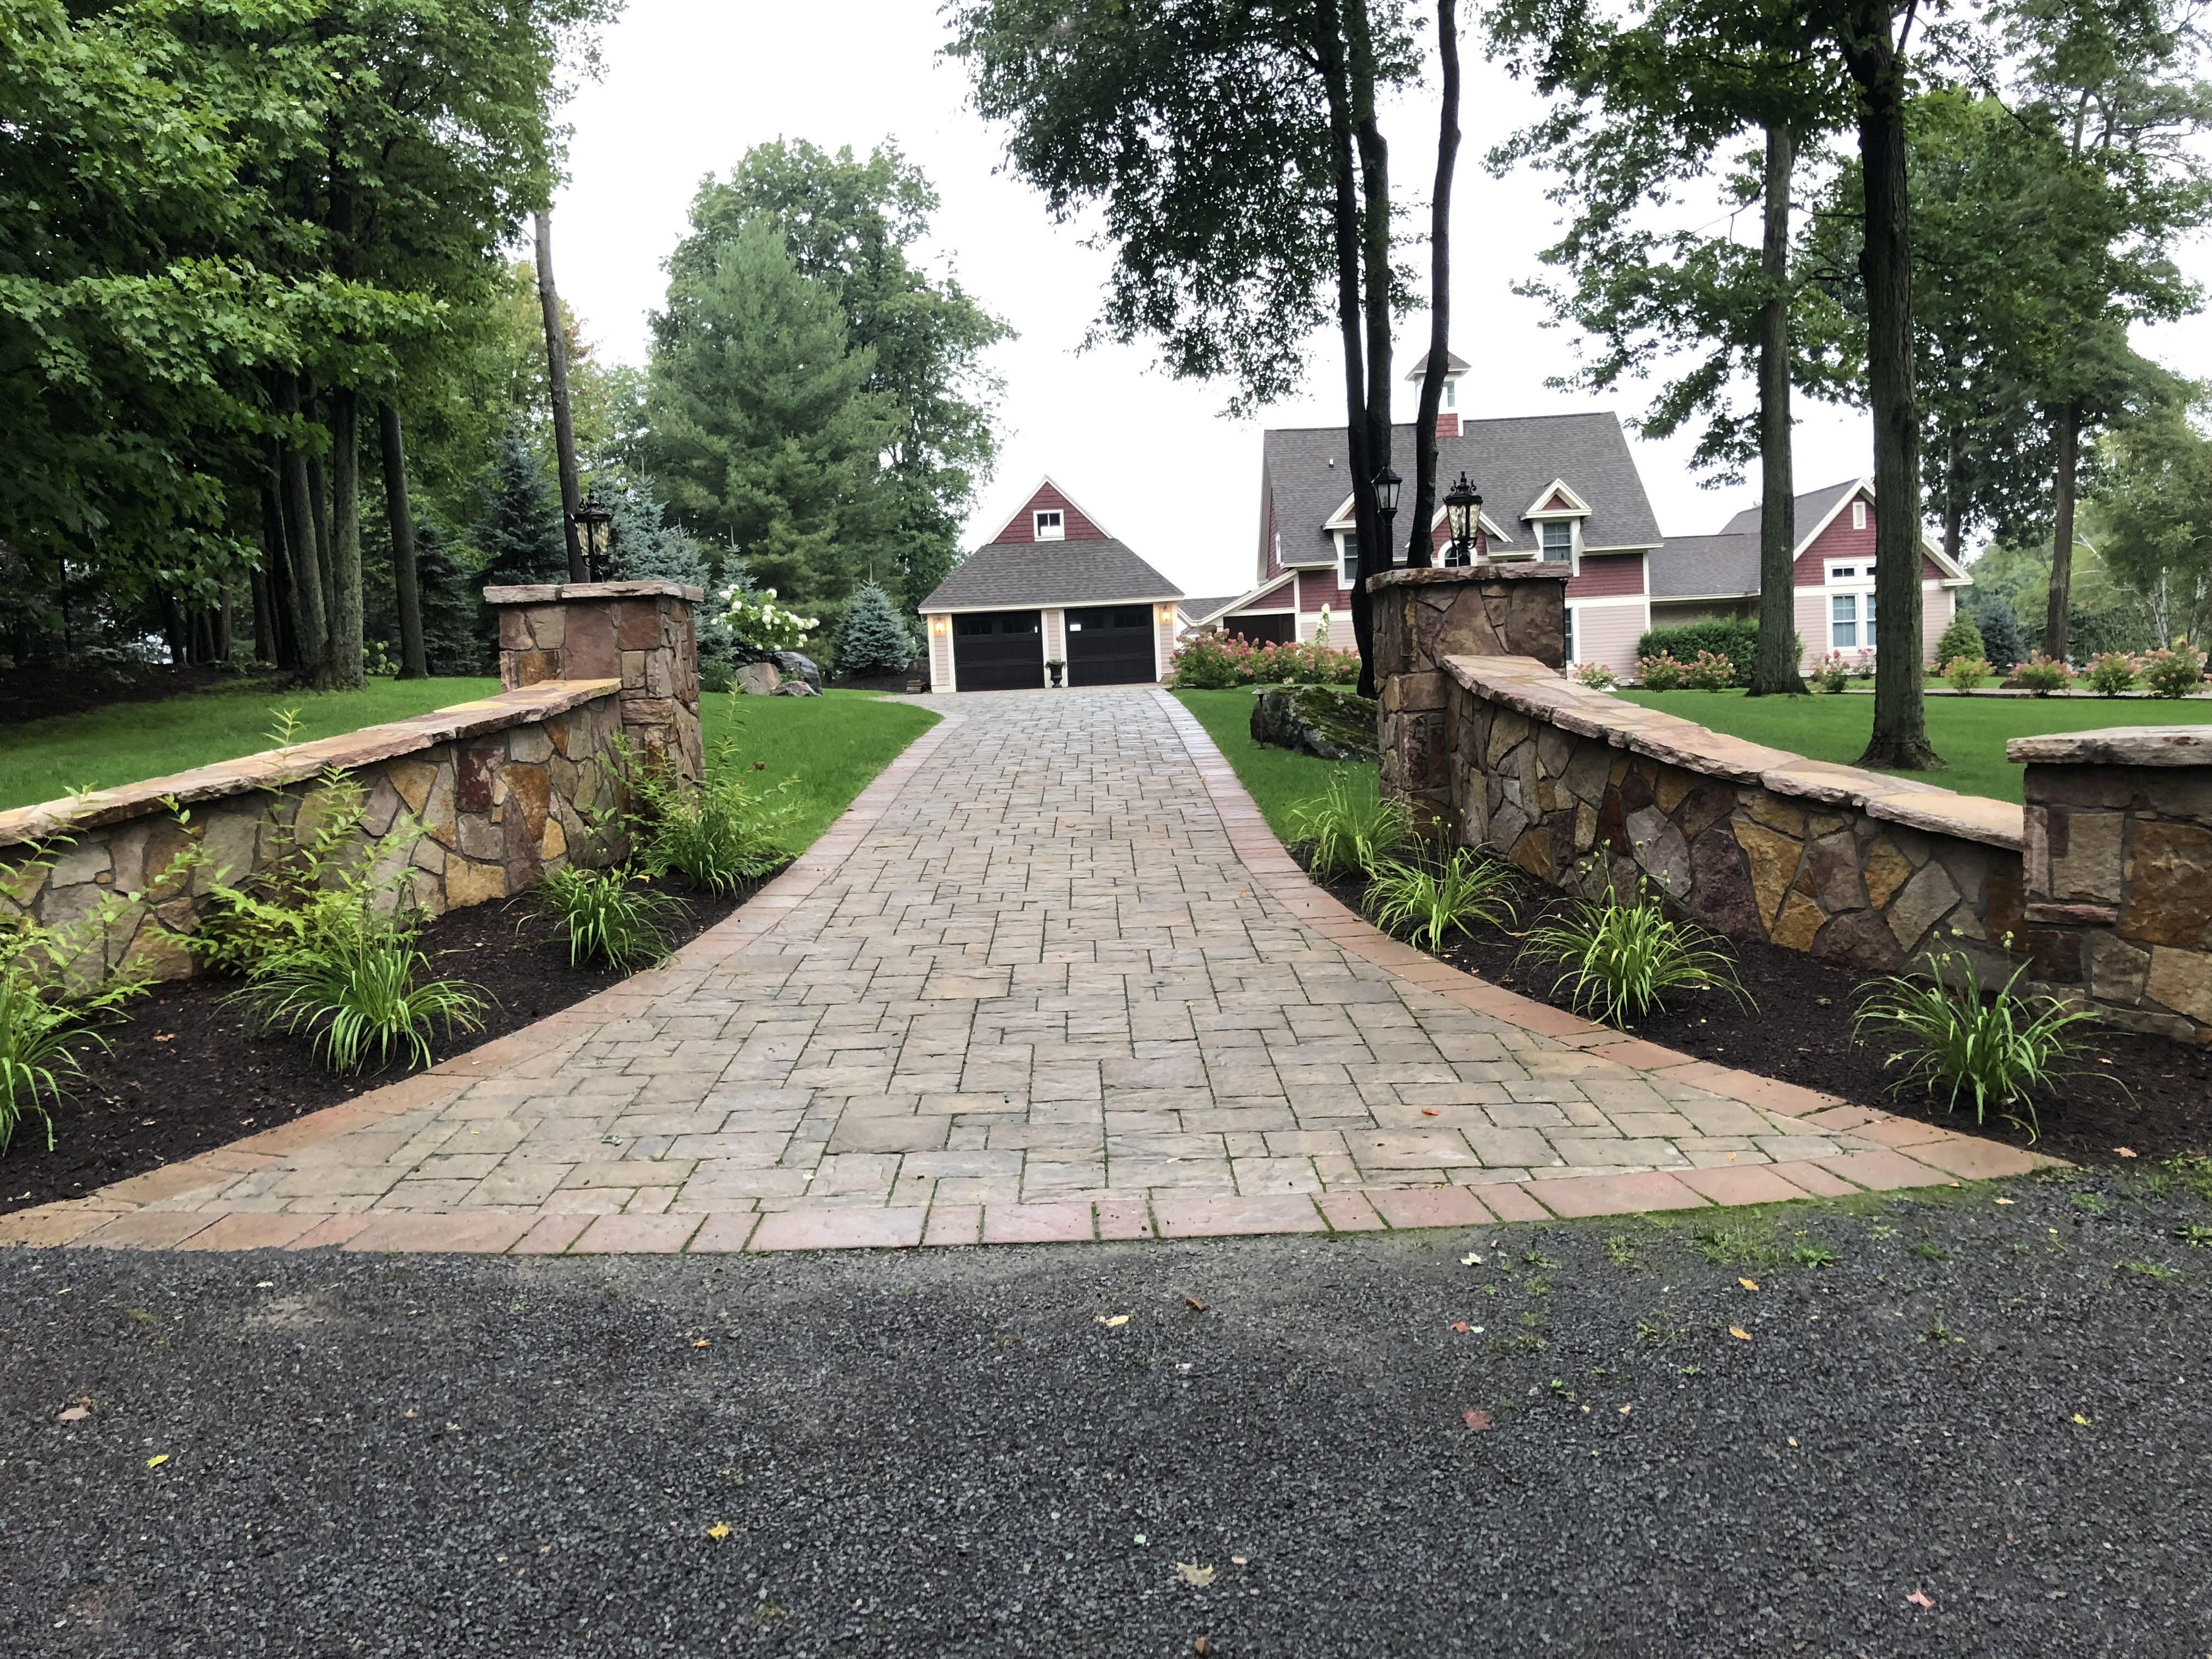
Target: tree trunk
{"points": [[272, 638], [1420, 540], [407, 591], [173, 631], [556, 382], [1900, 739], [1375, 237], [345, 621], [223, 639], [1329, 45], [1776, 669], [306, 585], [2056, 615]]}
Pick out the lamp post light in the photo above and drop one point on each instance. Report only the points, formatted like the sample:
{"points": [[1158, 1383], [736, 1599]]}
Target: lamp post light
{"points": [[595, 525], [1387, 483], [1463, 511]]}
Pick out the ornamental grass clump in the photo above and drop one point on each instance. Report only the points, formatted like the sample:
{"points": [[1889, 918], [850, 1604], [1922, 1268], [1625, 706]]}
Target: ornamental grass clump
{"points": [[38, 1038], [1956, 1042], [606, 915], [2176, 672], [363, 996], [1349, 829], [1620, 958], [2109, 673], [1428, 901]]}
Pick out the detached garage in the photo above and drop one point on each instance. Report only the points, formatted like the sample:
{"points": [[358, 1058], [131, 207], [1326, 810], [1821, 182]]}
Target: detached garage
{"points": [[1053, 587]]}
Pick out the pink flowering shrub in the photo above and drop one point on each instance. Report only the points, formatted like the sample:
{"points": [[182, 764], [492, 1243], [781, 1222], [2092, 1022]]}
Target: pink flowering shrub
{"points": [[1212, 662]]}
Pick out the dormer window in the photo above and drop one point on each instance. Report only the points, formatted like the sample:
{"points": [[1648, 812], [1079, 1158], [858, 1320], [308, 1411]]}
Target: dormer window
{"points": [[1049, 526], [1858, 514], [1559, 535], [1451, 394]]}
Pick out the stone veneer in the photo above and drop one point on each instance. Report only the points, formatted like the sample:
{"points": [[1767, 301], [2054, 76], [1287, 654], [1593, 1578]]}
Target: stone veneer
{"points": [[1423, 616], [498, 790], [640, 633], [2119, 871]]}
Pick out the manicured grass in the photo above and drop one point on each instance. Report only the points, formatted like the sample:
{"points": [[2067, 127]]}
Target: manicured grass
{"points": [[44, 760], [1969, 732], [1278, 779], [834, 744]]}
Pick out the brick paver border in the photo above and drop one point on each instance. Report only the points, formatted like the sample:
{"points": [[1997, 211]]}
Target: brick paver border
{"points": [[151, 1210]]}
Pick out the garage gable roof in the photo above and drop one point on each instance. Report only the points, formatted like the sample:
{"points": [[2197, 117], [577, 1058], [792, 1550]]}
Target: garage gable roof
{"points": [[1009, 575]]}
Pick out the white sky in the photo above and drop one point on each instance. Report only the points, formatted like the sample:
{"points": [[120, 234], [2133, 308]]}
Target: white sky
{"points": [[690, 85]]}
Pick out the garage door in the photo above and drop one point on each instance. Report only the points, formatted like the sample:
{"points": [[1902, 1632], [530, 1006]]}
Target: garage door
{"points": [[1110, 645], [999, 651]]}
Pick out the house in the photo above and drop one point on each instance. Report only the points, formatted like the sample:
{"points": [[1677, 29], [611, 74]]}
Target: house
{"points": [[1699, 577], [1052, 586], [1556, 487]]}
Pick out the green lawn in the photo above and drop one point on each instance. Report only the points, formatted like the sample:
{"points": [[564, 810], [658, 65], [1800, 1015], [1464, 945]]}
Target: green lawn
{"points": [[1969, 732], [834, 744], [44, 760], [1278, 779]]}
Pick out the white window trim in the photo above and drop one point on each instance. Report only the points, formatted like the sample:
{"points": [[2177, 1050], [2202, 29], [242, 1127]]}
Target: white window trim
{"points": [[1858, 512], [1037, 517], [1343, 580]]}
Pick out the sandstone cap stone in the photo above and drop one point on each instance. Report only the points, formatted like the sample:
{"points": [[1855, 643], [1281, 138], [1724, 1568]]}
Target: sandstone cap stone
{"points": [[2117, 746]]}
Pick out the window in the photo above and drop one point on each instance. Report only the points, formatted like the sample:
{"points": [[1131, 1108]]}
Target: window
{"points": [[1347, 558], [1845, 612], [1858, 514], [1849, 572], [1558, 540], [1451, 394], [1574, 639], [1049, 526]]}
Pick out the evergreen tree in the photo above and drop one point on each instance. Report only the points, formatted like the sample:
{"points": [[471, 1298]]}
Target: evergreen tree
{"points": [[875, 639], [453, 640], [647, 548], [518, 530], [2004, 641], [1960, 639]]}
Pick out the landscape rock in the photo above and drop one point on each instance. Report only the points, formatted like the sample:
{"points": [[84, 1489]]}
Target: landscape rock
{"points": [[796, 688], [1326, 720], [799, 663], [758, 679]]}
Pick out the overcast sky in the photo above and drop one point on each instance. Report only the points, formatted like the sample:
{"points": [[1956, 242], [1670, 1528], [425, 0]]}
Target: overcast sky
{"points": [[688, 85]]}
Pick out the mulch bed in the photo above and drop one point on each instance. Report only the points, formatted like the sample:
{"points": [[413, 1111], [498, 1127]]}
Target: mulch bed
{"points": [[188, 1071], [2147, 1094], [40, 691]]}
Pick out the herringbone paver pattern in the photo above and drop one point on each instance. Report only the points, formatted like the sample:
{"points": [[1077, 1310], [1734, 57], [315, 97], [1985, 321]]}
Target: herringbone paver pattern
{"points": [[1051, 981]]}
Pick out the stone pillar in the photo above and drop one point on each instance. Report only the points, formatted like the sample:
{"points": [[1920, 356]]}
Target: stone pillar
{"points": [[1423, 616], [639, 633], [2119, 864]]}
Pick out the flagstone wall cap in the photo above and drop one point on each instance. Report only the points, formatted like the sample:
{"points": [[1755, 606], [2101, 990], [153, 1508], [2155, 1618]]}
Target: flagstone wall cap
{"points": [[273, 768], [1528, 687], [1521, 570], [2118, 745], [552, 592]]}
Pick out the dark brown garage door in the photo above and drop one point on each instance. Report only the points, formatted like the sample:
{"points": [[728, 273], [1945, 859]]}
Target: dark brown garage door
{"points": [[1110, 645], [998, 651]]}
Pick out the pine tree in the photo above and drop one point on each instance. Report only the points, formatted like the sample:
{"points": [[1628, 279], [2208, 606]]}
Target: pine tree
{"points": [[453, 640], [519, 530], [875, 639], [648, 548], [2004, 641]]}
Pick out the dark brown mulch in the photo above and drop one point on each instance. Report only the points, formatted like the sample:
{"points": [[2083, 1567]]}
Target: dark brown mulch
{"points": [[189, 1072], [40, 691], [2147, 1094]]}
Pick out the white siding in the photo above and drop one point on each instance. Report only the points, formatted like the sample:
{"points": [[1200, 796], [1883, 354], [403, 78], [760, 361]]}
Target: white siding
{"points": [[940, 653], [1607, 634]]}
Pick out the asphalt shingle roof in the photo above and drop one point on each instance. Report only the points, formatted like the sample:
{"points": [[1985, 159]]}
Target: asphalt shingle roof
{"points": [[1007, 576], [1509, 460], [1811, 509], [1726, 565]]}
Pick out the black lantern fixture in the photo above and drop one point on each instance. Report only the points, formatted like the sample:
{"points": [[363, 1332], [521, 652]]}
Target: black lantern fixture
{"points": [[1463, 511], [1387, 483], [595, 525]]}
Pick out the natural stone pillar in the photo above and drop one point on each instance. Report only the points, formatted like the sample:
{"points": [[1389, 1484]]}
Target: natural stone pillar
{"points": [[2119, 864], [640, 633], [1423, 616]]}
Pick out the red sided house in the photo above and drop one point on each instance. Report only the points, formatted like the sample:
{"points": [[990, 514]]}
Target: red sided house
{"points": [[1558, 487], [1698, 576], [1052, 586]]}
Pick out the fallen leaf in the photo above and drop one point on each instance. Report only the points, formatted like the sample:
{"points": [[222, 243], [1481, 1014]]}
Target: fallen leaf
{"points": [[1793, 1439], [2004, 1200], [1194, 1304], [1461, 1325], [2125, 1151], [1470, 1260], [1201, 1646], [1194, 1575], [1748, 1284], [1431, 1111], [719, 1531], [700, 1343], [1476, 1420], [1236, 1560], [1919, 1601], [1117, 1319], [1624, 1410], [74, 1414], [2083, 1420], [156, 1462], [1738, 1333], [1139, 1537]]}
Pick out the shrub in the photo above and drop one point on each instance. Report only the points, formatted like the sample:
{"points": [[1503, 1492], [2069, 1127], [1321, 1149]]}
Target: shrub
{"points": [[1960, 639], [1736, 638], [1213, 662], [1349, 829], [2175, 671], [358, 995], [1596, 676], [1620, 959], [875, 639], [1958, 1042], [1710, 671], [2004, 642], [1429, 900], [1659, 673], [608, 915], [720, 832], [759, 624], [1831, 674], [2042, 676], [2109, 673], [1964, 673], [713, 674]]}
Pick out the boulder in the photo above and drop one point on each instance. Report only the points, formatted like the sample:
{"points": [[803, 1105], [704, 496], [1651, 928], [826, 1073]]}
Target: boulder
{"points": [[758, 679], [1326, 720], [799, 664], [796, 688]]}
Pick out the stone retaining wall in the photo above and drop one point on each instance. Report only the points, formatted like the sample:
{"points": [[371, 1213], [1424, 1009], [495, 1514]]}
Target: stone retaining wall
{"points": [[497, 791]]}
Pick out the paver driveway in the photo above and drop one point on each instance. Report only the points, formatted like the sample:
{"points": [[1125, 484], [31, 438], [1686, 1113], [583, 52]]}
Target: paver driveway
{"points": [[1051, 978]]}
